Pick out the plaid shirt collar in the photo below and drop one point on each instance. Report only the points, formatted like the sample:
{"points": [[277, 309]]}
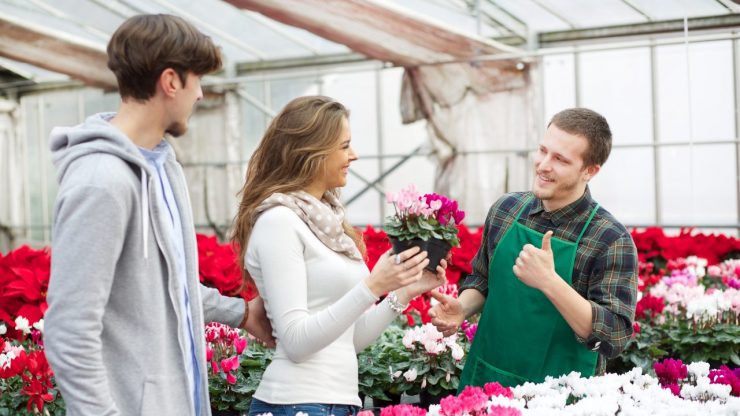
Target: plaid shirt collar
{"points": [[566, 213]]}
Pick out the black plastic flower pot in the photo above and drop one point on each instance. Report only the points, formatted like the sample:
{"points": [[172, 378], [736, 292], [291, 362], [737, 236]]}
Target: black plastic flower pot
{"points": [[436, 249]]}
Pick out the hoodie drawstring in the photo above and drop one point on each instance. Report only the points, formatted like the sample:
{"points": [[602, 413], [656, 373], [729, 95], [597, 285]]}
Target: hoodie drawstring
{"points": [[145, 212]]}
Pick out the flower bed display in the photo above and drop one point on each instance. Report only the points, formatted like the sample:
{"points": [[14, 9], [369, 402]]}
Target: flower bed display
{"points": [[688, 310]]}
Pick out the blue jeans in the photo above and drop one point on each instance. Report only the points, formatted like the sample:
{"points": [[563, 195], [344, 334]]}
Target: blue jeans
{"points": [[259, 407]]}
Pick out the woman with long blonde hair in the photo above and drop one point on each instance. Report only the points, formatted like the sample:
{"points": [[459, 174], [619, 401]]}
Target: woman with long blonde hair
{"points": [[307, 263]]}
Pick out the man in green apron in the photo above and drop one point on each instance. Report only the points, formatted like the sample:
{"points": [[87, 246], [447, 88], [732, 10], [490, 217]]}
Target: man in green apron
{"points": [[555, 276]]}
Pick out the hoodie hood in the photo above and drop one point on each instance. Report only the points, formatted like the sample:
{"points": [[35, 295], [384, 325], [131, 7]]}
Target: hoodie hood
{"points": [[97, 135], [94, 135]]}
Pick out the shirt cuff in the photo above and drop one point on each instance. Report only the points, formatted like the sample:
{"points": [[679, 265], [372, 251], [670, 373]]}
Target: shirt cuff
{"points": [[592, 342]]}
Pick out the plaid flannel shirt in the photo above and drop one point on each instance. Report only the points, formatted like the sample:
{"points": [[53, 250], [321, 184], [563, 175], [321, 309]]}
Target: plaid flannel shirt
{"points": [[605, 270]]}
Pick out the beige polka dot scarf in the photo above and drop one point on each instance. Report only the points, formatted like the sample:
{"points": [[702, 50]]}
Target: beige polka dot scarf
{"points": [[323, 217]]}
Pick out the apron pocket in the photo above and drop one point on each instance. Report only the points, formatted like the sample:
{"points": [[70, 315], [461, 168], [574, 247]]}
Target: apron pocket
{"points": [[484, 372]]}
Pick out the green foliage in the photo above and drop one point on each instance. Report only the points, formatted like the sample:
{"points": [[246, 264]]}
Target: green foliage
{"points": [[377, 362], [382, 364], [418, 226], [716, 344], [253, 362]]}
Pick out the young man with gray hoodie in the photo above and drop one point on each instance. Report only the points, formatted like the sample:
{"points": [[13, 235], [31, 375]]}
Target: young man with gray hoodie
{"points": [[124, 328]]}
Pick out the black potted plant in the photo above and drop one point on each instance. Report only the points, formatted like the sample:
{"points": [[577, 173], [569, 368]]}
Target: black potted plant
{"points": [[428, 221]]}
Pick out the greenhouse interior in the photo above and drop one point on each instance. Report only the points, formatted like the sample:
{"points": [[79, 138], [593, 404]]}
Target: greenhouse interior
{"points": [[448, 98]]}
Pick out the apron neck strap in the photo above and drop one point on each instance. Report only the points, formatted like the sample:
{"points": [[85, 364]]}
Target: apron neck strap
{"points": [[585, 226], [590, 217], [526, 202]]}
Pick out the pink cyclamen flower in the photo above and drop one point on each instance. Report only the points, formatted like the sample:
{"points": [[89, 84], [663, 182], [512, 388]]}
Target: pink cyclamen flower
{"points": [[473, 398], [240, 344], [230, 364], [504, 411], [669, 371], [230, 378], [496, 389], [403, 410], [451, 406], [673, 388]]}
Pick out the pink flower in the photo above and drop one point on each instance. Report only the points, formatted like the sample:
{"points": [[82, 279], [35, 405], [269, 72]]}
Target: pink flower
{"points": [[230, 364], [230, 378], [504, 411], [473, 398], [240, 344], [669, 371], [496, 389], [451, 406], [402, 410], [674, 388]]}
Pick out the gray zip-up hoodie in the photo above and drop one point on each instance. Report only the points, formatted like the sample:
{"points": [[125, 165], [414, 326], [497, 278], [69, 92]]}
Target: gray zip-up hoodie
{"points": [[113, 328]]}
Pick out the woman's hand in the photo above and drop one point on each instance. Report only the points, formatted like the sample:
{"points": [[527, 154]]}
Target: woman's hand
{"points": [[429, 280], [393, 271]]}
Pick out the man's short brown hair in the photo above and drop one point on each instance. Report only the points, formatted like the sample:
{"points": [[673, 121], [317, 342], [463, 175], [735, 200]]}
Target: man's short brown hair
{"points": [[145, 45], [592, 126]]}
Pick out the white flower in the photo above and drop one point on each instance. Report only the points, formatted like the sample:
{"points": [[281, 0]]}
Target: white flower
{"points": [[39, 325], [21, 324], [410, 375], [408, 339], [434, 410], [3, 329], [457, 352], [699, 369], [5, 360]]}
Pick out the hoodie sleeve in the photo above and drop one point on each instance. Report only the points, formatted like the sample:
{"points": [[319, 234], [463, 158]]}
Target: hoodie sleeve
{"points": [[218, 308], [90, 226]]}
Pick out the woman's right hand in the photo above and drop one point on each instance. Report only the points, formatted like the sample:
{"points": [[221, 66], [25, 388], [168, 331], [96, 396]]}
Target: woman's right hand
{"points": [[387, 275]]}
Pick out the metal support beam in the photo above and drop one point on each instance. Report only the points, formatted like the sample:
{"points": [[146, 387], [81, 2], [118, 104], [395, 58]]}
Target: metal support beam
{"points": [[55, 51], [381, 30], [383, 175], [303, 62], [642, 29]]}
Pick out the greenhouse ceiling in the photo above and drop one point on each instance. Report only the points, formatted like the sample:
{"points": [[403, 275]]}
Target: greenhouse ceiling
{"points": [[45, 41]]}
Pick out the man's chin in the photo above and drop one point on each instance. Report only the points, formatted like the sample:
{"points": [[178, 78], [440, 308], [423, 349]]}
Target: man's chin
{"points": [[541, 194], [177, 130]]}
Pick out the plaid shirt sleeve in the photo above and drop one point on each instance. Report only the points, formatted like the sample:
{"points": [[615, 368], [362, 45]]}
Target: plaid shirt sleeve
{"points": [[478, 279], [612, 292]]}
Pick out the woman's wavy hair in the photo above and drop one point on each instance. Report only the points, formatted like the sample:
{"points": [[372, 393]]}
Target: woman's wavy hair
{"points": [[289, 157]]}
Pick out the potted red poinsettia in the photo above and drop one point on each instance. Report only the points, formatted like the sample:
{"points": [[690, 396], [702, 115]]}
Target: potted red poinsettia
{"points": [[428, 221]]}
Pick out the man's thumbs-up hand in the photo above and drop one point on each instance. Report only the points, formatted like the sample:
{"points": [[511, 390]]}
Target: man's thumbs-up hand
{"points": [[546, 242], [535, 267]]}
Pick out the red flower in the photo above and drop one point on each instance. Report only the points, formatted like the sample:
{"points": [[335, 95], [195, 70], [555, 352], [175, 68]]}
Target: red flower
{"points": [[38, 393], [649, 307], [218, 268]]}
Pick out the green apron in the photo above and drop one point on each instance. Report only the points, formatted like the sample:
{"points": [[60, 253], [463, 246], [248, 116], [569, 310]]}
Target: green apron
{"points": [[521, 336]]}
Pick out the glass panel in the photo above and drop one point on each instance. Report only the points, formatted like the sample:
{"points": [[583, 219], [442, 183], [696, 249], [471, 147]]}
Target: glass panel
{"points": [[47, 21], [559, 83], [712, 101], [365, 209], [616, 84], [589, 13], [698, 184], [534, 16], [625, 186], [672, 9], [90, 13], [357, 91]]}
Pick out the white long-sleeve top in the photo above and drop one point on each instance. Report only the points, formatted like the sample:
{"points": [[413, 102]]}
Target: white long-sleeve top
{"points": [[321, 310]]}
